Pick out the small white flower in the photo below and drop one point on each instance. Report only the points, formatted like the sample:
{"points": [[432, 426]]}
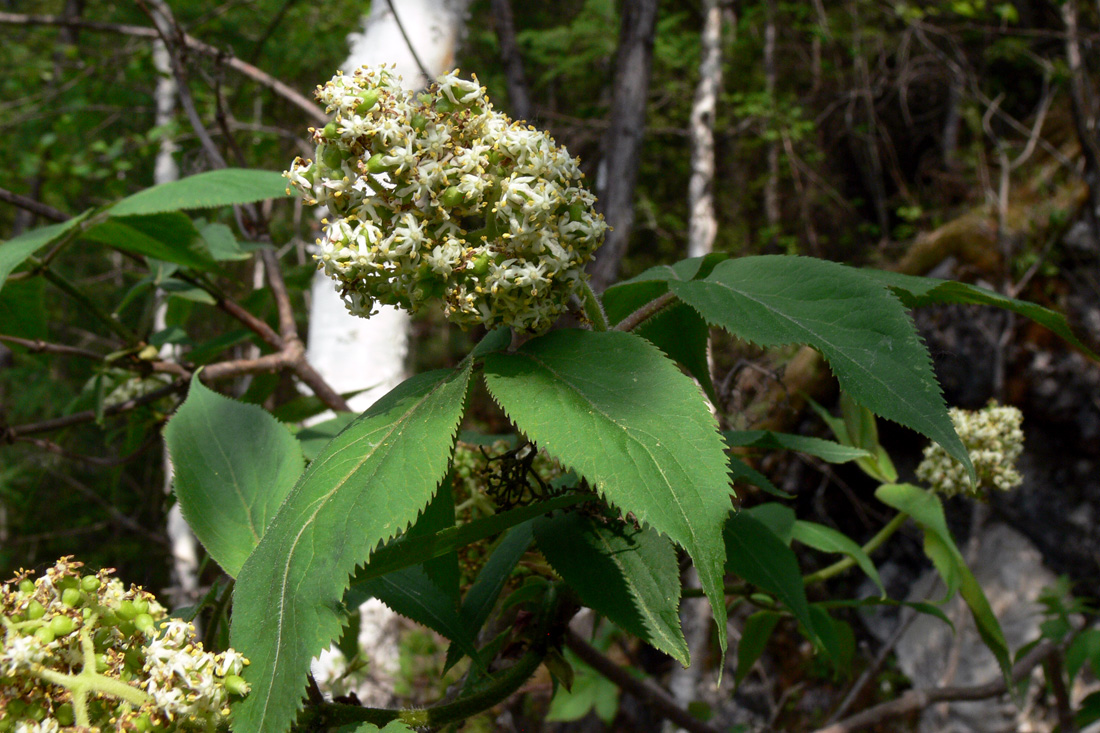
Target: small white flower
{"points": [[994, 440]]}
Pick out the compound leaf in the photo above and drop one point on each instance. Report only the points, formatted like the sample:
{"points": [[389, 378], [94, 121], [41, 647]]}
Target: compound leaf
{"points": [[208, 190]]}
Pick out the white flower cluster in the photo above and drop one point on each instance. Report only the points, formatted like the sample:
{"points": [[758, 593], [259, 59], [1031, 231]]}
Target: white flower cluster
{"points": [[994, 440], [67, 630], [436, 195]]}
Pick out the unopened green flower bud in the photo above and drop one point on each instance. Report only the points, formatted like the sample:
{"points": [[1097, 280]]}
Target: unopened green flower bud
{"points": [[44, 635], [235, 685], [90, 583], [330, 132], [72, 597], [144, 623], [375, 165], [62, 625], [481, 266], [35, 610], [127, 609], [367, 100], [452, 197], [64, 714], [26, 585], [332, 156], [418, 122]]}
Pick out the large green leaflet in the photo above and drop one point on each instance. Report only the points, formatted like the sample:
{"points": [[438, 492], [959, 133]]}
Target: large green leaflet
{"points": [[367, 486], [927, 511], [610, 406], [226, 494], [858, 325], [626, 573], [917, 291], [171, 237], [208, 190]]}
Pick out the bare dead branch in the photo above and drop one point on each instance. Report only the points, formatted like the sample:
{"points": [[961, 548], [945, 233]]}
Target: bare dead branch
{"points": [[243, 67]]}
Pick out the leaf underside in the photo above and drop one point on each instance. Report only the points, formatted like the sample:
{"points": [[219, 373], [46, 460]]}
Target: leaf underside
{"points": [[368, 485]]}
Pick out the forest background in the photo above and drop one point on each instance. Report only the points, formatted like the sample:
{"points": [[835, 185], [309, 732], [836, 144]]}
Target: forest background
{"points": [[950, 138]]}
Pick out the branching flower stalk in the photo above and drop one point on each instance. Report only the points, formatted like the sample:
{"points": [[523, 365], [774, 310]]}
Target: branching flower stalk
{"points": [[81, 650], [438, 196]]}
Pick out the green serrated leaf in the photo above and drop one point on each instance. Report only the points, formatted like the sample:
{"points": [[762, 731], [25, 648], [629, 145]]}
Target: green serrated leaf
{"points": [[927, 511], [224, 187], [860, 327], [778, 518], [755, 554], [221, 243], [612, 407], [741, 472], [627, 574], [226, 494], [827, 539], [316, 437], [15, 251], [367, 486], [754, 638], [170, 237], [916, 291], [827, 450]]}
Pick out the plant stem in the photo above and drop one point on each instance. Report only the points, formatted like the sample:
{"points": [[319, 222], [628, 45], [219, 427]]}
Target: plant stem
{"points": [[872, 544], [73, 292], [593, 308], [647, 311]]}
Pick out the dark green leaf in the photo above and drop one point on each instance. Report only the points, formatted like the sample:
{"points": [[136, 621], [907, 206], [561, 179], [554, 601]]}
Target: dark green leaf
{"points": [[741, 472], [827, 450], [755, 554], [15, 252], [917, 291], [610, 406], [204, 191], [227, 492], [837, 639], [367, 486], [860, 328], [168, 237], [627, 574], [927, 511], [23, 310], [754, 638], [316, 437], [222, 244], [779, 518]]}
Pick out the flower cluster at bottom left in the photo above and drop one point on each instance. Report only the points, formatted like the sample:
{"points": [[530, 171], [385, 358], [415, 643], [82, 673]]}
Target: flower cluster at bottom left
{"points": [[82, 652]]}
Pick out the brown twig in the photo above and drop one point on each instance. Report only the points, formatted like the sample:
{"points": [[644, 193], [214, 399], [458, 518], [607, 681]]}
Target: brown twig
{"points": [[243, 67], [644, 690], [38, 346], [29, 204], [9, 434], [916, 700], [646, 311]]}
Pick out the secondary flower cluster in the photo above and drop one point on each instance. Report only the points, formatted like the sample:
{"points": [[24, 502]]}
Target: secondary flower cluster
{"points": [[994, 440], [82, 652], [436, 195]]}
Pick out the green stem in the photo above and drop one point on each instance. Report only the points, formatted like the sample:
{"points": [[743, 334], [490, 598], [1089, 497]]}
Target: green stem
{"points": [[873, 544], [593, 308], [647, 311]]}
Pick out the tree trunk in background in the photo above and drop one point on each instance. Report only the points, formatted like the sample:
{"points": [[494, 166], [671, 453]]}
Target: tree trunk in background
{"points": [[1084, 118], [185, 548], [771, 185], [353, 353], [623, 144], [511, 60], [702, 224]]}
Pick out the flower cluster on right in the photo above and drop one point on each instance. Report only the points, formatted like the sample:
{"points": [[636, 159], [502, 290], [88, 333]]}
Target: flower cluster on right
{"points": [[438, 196], [994, 440]]}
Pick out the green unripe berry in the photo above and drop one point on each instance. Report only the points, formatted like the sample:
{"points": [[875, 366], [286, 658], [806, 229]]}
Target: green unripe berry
{"points": [[72, 597], [35, 610], [35, 712], [332, 157], [90, 583], [331, 131], [64, 714], [235, 685], [141, 605], [67, 582], [62, 625], [376, 166], [16, 708], [100, 663], [576, 211], [26, 585], [367, 100], [134, 658], [445, 106], [418, 122], [144, 623], [452, 197], [44, 635], [481, 266]]}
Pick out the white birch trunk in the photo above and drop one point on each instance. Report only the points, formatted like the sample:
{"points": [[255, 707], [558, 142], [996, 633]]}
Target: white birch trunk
{"points": [[702, 224], [369, 354]]}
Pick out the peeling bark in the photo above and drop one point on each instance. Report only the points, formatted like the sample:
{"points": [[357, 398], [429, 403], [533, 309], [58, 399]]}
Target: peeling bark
{"points": [[702, 224]]}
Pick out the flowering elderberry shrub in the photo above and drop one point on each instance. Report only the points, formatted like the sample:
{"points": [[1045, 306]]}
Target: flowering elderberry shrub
{"points": [[83, 653], [436, 195], [994, 440]]}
